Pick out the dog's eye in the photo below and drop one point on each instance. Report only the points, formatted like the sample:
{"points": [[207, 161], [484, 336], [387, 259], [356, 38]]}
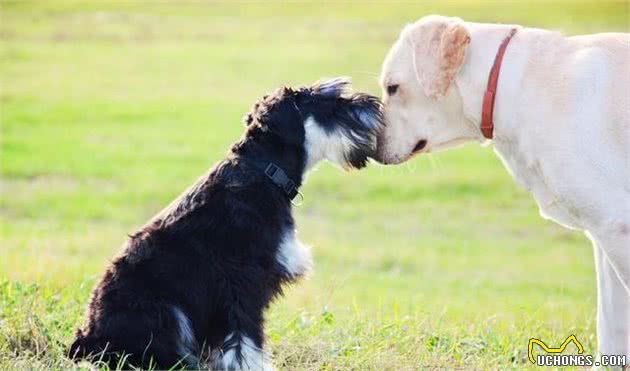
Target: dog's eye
{"points": [[392, 89]]}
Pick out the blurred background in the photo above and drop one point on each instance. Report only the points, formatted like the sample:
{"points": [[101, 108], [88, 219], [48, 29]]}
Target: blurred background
{"points": [[110, 109]]}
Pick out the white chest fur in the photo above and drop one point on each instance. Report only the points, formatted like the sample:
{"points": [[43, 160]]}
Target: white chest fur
{"points": [[293, 255], [530, 173]]}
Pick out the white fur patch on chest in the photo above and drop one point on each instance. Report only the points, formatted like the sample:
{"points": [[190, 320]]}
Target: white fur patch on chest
{"points": [[293, 255], [528, 173]]}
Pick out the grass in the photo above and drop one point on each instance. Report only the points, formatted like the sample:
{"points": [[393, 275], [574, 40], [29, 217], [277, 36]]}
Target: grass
{"points": [[110, 109]]}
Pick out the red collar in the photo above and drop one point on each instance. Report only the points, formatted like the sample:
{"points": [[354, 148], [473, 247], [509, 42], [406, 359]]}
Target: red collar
{"points": [[487, 126]]}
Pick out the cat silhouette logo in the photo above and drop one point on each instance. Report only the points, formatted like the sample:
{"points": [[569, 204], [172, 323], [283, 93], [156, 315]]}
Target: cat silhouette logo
{"points": [[547, 349]]}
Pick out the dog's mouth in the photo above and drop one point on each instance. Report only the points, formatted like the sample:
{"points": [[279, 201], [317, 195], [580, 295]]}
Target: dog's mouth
{"points": [[422, 143]]}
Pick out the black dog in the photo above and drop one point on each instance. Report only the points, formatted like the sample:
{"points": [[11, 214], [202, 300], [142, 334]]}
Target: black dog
{"points": [[200, 274]]}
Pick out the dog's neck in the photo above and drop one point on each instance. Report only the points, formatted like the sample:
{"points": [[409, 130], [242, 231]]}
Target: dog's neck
{"points": [[472, 79], [260, 152]]}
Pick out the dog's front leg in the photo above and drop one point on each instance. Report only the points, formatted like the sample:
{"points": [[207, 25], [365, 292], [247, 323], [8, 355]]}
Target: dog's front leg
{"points": [[241, 352], [613, 308]]}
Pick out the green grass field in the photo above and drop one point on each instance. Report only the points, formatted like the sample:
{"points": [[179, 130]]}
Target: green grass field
{"points": [[110, 109]]}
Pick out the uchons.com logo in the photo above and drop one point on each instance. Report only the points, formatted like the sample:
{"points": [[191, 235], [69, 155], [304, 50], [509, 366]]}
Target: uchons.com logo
{"points": [[554, 356]]}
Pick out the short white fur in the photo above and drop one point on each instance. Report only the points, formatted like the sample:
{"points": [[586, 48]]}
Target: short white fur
{"points": [[293, 255], [251, 358], [187, 344], [321, 145], [561, 115]]}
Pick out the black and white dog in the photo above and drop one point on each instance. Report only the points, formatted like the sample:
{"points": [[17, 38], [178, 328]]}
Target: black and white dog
{"points": [[200, 274]]}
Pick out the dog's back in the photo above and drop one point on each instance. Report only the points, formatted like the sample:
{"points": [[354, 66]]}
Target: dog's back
{"points": [[599, 66]]}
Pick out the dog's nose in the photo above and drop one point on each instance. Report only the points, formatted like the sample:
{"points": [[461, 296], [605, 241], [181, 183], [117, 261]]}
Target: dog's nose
{"points": [[420, 145]]}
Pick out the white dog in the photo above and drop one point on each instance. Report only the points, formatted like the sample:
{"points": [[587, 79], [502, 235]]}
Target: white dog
{"points": [[561, 127]]}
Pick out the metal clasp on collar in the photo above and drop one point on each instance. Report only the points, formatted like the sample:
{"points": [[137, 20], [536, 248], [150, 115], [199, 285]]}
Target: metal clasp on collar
{"points": [[300, 202]]}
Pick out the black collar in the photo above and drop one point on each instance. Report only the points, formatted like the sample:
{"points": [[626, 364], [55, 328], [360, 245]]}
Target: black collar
{"points": [[282, 180]]}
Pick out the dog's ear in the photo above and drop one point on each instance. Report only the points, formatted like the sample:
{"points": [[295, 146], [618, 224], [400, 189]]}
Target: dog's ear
{"points": [[439, 47], [285, 119], [278, 113]]}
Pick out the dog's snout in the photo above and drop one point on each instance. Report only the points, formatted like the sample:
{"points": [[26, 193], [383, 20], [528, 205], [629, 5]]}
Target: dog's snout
{"points": [[420, 145]]}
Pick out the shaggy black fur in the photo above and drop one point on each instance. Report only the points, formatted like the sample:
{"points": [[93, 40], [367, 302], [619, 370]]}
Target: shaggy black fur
{"points": [[212, 253]]}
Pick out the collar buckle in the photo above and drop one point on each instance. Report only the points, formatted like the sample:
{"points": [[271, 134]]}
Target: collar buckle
{"points": [[271, 170], [280, 178]]}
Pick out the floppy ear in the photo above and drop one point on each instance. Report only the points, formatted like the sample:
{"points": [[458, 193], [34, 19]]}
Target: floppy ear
{"points": [[285, 120], [278, 113], [439, 47]]}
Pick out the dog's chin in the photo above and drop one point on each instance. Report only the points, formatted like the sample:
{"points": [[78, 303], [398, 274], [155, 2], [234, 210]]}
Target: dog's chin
{"points": [[397, 159], [383, 158], [394, 159], [452, 143], [356, 164], [357, 160]]}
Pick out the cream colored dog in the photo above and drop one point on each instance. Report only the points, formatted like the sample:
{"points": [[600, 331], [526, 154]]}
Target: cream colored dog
{"points": [[561, 127]]}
